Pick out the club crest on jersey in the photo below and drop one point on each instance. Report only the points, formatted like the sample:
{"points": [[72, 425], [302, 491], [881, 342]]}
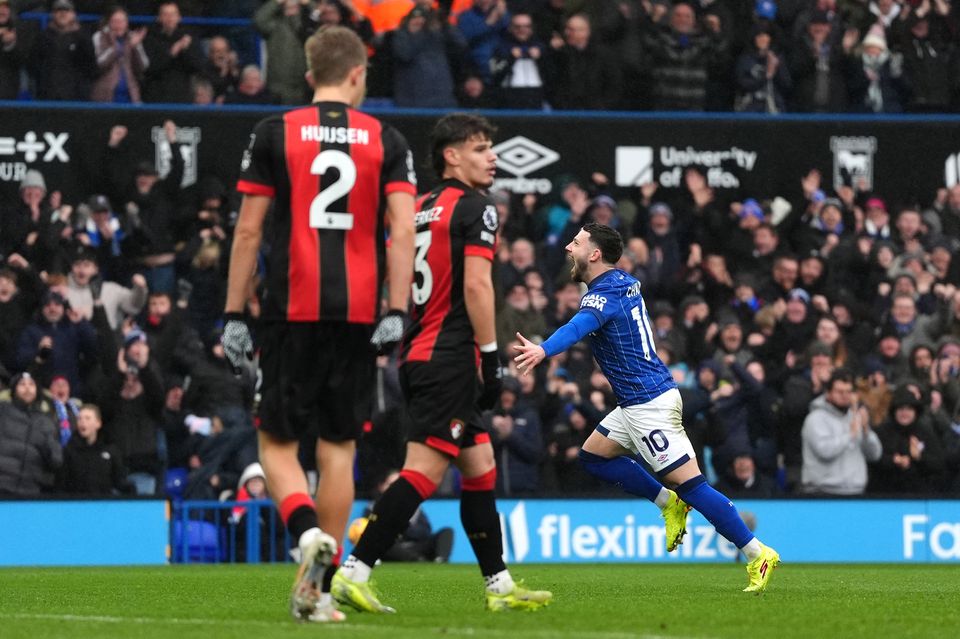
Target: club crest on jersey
{"points": [[593, 301], [456, 428], [490, 217], [248, 153]]}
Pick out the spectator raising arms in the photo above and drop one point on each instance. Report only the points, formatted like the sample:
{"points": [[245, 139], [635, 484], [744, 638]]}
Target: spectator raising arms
{"points": [[280, 23], [423, 74]]}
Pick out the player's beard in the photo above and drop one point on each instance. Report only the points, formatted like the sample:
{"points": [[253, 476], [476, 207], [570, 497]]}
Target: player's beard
{"points": [[577, 269]]}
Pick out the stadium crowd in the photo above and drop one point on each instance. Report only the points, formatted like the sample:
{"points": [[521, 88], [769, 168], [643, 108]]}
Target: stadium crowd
{"points": [[814, 335], [767, 56]]}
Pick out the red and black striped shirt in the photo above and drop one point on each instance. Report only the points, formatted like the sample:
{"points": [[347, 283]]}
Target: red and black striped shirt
{"points": [[329, 169], [453, 221]]}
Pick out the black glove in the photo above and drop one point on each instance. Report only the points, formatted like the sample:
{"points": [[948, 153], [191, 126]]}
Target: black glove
{"points": [[388, 332], [237, 343], [492, 380]]}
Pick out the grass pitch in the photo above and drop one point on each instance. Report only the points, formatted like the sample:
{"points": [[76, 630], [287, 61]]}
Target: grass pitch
{"points": [[602, 601]]}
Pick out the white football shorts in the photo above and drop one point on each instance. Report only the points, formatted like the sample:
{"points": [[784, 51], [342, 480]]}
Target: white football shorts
{"points": [[654, 430]]}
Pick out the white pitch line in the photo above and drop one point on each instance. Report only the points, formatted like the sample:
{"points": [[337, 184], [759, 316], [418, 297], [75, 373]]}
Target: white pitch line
{"points": [[346, 627]]}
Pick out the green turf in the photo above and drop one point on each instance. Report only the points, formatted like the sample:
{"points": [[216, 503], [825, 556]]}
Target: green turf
{"points": [[607, 602]]}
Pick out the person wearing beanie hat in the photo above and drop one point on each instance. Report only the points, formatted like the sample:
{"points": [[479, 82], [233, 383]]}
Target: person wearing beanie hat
{"points": [[661, 208], [913, 458], [796, 327], [53, 344], [879, 84], [25, 224], [760, 73], [824, 229], [252, 486], [876, 223], [752, 208], [65, 407], [664, 260], [30, 451], [603, 210], [98, 228], [33, 179]]}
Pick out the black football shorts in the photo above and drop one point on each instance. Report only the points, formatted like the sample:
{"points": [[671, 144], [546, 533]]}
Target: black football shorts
{"points": [[440, 407], [318, 379]]}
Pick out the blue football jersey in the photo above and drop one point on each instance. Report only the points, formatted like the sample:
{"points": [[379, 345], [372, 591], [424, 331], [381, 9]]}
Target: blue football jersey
{"points": [[623, 346]]}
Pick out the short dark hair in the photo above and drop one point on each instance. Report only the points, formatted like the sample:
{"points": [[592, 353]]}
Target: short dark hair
{"points": [[453, 129], [840, 375], [606, 239]]}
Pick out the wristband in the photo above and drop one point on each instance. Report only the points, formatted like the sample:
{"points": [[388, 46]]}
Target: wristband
{"points": [[489, 348], [233, 316]]}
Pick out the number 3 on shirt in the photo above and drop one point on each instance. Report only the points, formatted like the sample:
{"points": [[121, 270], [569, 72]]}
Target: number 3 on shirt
{"points": [[421, 292], [320, 217]]}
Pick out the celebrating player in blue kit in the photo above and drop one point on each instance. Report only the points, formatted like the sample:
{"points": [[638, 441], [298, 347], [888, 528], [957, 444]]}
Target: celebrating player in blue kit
{"points": [[647, 420]]}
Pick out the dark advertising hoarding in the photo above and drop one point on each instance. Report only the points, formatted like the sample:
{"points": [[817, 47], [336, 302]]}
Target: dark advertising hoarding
{"points": [[741, 157]]}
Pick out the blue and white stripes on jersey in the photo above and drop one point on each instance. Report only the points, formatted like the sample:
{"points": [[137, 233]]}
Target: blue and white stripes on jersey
{"points": [[622, 343]]}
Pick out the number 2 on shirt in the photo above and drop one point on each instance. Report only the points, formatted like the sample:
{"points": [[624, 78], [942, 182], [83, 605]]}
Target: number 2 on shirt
{"points": [[320, 217]]}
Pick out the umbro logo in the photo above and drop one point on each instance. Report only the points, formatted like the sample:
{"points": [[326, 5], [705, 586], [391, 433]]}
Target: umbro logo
{"points": [[520, 156]]}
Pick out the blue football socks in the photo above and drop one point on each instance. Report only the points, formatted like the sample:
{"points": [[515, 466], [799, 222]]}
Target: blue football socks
{"points": [[623, 472], [718, 510]]}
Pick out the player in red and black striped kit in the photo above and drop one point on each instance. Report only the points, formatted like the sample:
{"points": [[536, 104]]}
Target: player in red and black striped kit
{"points": [[452, 323], [335, 177]]}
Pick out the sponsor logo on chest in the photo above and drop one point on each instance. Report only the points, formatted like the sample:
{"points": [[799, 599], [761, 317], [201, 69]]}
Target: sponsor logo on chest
{"points": [[593, 301]]}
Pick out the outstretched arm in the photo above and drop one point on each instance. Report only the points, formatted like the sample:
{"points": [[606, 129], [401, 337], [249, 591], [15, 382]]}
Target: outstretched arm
{"points": [[581, 325]]}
